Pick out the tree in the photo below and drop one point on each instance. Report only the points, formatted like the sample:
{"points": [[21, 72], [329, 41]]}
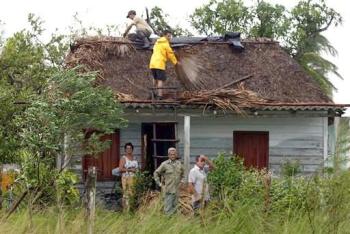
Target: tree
{"points": [[25, 65], [306, 43], [159, 23], [269, 21], [218, 17], [52, 126], [299, 30], [46, 107]]}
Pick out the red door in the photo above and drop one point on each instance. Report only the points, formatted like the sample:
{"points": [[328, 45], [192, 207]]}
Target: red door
{"points": [[105, 161], [253, 147]]}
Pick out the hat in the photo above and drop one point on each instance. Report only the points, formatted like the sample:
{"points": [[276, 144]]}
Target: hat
{"points": [[132, 12]]}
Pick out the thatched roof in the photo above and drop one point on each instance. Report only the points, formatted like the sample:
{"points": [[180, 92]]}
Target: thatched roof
{"points": [[272, 74]]}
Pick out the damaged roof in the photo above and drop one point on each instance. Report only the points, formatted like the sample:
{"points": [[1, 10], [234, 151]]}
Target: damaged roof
{"points": [[273, 74]]}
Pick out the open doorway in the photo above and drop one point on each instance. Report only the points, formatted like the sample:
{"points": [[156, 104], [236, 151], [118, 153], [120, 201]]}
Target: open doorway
{"points": [[157, 138]]}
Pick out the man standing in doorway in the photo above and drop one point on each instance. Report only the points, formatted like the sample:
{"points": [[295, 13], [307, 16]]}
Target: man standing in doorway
{"points": [[168, 176], [197, 181], [162, 52], [143, 30]]}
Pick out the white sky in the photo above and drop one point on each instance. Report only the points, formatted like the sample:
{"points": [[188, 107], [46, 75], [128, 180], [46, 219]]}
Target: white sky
{"points": [[59, 14]]}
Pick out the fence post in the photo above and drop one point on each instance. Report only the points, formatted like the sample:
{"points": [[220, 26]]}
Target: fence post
{"points": [[91, 198]]}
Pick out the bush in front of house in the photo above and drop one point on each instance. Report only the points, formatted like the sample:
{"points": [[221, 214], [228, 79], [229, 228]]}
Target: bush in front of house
{"points": [[45, 187], [233, 185], [143, 184]]}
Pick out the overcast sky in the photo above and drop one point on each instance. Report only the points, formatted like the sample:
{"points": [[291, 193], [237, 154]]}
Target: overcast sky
{"points": [[59, 14]]}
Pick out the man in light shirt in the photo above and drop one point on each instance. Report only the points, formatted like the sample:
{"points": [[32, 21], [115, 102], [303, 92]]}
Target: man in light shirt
{"points": [[197, 180], [143, 30]]}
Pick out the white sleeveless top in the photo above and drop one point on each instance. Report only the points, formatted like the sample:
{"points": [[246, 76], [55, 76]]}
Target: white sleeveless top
{"points": [[128, 165]]}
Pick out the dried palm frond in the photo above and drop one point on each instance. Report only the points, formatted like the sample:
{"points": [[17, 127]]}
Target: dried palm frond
{"points": [[185, 201], [92, 51], [152, 198], [123, 97], [189, 69], [225, 99]]}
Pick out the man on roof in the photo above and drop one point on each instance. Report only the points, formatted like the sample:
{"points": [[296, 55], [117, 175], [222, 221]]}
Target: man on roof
{"points": [[162, 52], [143, 30]]}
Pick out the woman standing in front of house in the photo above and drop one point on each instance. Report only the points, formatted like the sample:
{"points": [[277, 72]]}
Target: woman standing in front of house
{"points": [[128, 166]]}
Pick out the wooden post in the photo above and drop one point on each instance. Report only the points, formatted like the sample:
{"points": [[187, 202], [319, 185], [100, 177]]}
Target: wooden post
{"points": [[63, 159], [91, 198], [187, 146], [59, 162], [144, 152]]}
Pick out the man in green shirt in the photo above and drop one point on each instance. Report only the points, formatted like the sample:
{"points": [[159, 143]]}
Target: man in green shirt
{"points": [[168, 176]]}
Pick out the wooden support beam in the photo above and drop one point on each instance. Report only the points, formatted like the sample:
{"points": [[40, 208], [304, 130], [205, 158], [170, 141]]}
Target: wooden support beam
{"points": [[235, 81], [187, 128]]}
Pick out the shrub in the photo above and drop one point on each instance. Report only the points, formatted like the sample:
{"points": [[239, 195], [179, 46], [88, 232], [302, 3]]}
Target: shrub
{"points": [[227, 175], [288, 194], [143, 183], [291, 168]]}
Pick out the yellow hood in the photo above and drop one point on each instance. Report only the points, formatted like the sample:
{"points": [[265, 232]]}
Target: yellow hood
{"points": [[162, 52]]}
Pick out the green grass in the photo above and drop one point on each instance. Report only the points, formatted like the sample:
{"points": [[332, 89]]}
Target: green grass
{"points": [[319, 204], [243, 218]]}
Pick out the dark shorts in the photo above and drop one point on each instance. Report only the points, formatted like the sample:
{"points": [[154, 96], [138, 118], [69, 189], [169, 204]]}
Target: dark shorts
{"points": [[158, 74]]}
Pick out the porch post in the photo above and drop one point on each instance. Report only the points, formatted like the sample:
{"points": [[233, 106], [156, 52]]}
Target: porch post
{"points": [[187, 146], [325, 139]]}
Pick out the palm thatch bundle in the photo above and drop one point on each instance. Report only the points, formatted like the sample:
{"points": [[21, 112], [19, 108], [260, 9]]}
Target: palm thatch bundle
{"points": [[185, 200], [151, 198], [187, 72], [92, 51], [123, 97], [225, 99]]}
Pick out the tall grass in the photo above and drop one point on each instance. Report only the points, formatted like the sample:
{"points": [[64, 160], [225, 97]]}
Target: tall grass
{"points": [[240, 204], [330, 215]]}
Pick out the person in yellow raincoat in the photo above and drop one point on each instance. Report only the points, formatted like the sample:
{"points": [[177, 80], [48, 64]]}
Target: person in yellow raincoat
{"points": [[162, 52]]}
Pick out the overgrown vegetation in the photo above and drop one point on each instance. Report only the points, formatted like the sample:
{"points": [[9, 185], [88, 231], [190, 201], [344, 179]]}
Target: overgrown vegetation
{"points": [[246, 202]]}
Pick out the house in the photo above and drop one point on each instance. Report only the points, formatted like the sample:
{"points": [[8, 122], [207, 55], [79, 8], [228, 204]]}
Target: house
{"points": [[283, 114]]}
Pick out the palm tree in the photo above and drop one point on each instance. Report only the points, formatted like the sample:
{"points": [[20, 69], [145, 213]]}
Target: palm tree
{"points": [[306, 43]]}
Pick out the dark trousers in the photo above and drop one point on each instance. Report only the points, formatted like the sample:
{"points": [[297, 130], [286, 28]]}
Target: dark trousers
{"points": [[143, 35]]}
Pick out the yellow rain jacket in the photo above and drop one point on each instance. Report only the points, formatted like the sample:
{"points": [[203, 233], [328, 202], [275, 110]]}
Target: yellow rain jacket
{"points": [[161, 53]]}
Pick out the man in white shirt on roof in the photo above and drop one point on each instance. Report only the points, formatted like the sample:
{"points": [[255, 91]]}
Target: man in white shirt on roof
{"points": [[143, 30], [197, 180]]}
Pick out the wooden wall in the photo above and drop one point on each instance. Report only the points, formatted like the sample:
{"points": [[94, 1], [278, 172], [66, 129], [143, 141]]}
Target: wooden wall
{"points": [[300, 138], [290, 137]]}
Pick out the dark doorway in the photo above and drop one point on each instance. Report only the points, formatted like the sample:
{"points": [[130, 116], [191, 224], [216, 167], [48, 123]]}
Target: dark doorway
{"points": [[253, 147], [156, 139]]}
